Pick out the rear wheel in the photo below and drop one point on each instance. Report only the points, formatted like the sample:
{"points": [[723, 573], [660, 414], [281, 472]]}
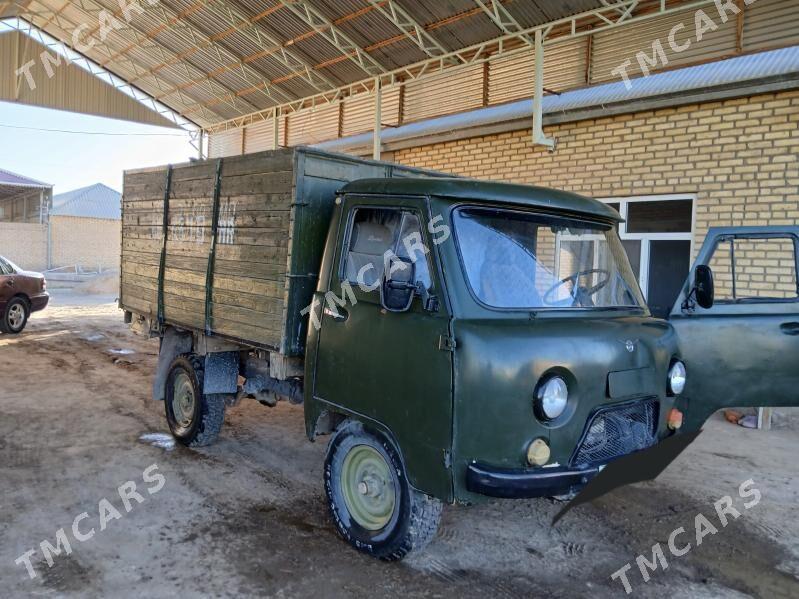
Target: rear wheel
{"points": [[195, 419], [370, 500], [15, 317]]}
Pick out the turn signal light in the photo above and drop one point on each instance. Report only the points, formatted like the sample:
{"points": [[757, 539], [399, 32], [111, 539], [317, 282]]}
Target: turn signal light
{"points": [[538, 453], [675, 419]]}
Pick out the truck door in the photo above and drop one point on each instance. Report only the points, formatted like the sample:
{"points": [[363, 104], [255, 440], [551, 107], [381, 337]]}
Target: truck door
{"points": [[742, 351], [385, 366]]}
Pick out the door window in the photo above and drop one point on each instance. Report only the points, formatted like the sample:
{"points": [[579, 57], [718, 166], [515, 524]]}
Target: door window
{"points": [[375, 235], [5, 268], [754, 268]]}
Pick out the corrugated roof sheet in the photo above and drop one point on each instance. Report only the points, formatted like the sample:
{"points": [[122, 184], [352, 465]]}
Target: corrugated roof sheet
{"points": [[94, 201], [724, 73], [203, 59], [15, 180]]}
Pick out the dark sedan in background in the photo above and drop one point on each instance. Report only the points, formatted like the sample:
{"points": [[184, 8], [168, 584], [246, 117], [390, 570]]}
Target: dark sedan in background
{"points": [[21, 292]]}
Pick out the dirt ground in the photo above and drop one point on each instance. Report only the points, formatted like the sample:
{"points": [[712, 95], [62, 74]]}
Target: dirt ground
{"points": [[246, 517]]}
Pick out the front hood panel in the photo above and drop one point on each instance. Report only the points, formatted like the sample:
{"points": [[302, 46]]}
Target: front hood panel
{"points": [[499, 362]]}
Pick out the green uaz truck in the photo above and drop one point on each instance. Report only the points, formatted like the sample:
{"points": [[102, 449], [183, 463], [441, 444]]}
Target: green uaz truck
{"points": [[458, 339]]}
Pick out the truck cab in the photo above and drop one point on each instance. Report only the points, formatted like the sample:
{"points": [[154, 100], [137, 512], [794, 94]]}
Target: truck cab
{"points": [[494, 334]]}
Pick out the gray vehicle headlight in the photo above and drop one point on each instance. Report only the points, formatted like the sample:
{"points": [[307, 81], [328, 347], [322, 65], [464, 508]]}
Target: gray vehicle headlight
{"points": [[551, 398], [677, 378]]}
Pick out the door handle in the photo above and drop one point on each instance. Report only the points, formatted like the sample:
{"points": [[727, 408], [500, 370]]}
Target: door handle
{"points": [[790, 328], [339, 314], [10, 282]]}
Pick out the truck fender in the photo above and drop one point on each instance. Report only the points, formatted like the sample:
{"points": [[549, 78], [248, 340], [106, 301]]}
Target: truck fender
{"points": [[221, 372], [173, 343]]}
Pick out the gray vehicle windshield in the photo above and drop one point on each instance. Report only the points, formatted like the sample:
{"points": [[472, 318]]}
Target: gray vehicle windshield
{"points": [[519, 260]]}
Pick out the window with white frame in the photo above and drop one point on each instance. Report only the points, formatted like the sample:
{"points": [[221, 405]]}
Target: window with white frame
{"points": [[658, 235]]}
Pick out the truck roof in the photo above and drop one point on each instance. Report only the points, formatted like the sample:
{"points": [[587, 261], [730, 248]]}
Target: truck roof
{"points": [[487, 192]]}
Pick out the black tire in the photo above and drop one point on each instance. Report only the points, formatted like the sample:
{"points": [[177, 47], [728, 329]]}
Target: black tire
{"points": [[199, 425], [415, 517], [10, 323]]}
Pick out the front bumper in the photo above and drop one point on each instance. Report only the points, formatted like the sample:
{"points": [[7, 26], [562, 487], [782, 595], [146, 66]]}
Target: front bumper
{"points": [[526, 483]]}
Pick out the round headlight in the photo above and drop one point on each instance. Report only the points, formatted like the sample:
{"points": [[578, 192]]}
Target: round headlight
{"points": [[552, 397], [677, 378]]}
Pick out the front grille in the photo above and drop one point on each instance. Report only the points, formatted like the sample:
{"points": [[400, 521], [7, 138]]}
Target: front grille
{"points": [[617, 430]]}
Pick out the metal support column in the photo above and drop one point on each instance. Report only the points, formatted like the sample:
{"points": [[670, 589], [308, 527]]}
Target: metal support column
{"points": [[276, 126], [378, 142]]}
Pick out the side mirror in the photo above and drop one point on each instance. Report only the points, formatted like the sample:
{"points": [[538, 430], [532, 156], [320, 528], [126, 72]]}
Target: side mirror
{"points": [[399, 284], [703, 286]]}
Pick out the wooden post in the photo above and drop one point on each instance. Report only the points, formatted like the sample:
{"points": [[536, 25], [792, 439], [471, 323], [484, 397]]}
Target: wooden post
{"points": [[739, 26], [589, 56], [486, 82], [401, 110]]}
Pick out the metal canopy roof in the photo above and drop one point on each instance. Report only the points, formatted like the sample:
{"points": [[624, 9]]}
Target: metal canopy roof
{"points": [[9, 179], [214, 60], [13, 185], [94, 201]]}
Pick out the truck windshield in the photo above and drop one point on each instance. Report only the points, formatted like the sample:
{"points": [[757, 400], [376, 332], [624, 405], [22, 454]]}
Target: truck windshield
{"points": [[520, 260]]}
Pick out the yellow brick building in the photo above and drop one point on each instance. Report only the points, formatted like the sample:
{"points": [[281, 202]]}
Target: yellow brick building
{"points": [[86, 229], [681, 122], [736, 161]]}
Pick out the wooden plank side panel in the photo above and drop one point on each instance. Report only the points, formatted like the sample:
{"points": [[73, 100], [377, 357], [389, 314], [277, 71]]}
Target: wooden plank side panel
{"points": [[251, 251], [274, 216]]}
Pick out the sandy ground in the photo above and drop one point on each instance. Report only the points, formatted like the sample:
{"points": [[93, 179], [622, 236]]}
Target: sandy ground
{"points": [[247, 517]]}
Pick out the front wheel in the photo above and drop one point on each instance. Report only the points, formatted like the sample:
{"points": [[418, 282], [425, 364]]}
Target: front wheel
{"points": [[371, 502], [195, 419]]}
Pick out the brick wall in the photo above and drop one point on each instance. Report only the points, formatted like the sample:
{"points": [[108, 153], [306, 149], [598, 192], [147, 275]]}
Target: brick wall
{"points": [[24, 244], [87, 242], [740, 157]]}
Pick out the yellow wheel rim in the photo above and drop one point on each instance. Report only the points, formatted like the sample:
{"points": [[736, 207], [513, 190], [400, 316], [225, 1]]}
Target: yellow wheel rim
{"points": [[368, 487]]}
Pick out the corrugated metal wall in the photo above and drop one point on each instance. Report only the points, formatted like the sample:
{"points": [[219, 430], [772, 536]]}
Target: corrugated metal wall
{"points": [[70, 87], [359, 116], [612, 47], [225, 143], [511, 78], [261, 136], [444, 94], [312, 126], [767, 24], [771, 23]]}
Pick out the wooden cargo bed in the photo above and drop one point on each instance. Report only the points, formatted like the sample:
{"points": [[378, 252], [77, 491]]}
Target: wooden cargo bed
{"points": [[273, 213]]}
